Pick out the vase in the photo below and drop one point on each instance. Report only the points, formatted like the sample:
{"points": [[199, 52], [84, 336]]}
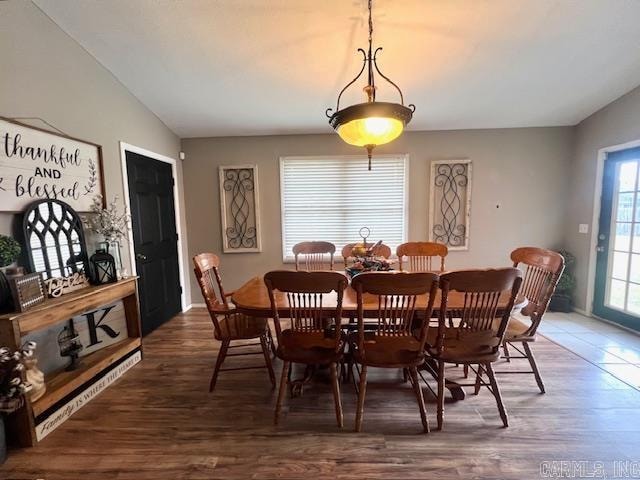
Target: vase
{"points": [[560, 303], [114, 249], [35, 377]]}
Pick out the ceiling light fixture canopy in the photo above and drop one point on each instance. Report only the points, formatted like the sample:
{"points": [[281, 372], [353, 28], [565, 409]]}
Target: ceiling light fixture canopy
{"points": [[371, 123]]}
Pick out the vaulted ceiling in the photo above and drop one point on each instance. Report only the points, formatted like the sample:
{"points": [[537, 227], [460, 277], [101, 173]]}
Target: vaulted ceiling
{"points": [[239, 67]]}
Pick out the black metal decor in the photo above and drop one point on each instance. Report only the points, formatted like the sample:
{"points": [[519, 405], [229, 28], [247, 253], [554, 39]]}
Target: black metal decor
{"points": [[69, 345], [240, 182], [54, 239], [103, 268], [450, 179]]}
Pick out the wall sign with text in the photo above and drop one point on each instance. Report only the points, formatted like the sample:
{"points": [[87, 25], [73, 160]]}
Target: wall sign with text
{"points": [[37, 164], [97, 328]]}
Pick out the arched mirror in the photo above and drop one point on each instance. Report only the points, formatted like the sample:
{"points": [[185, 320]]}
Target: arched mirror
{"points": [[54, 239]]}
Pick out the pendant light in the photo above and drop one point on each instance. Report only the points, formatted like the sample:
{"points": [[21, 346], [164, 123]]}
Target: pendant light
{"points": [[371, 123]]}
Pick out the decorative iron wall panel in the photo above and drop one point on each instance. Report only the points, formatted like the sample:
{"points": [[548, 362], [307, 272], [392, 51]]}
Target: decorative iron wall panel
{"points": [[450, 203], [240, 211]]}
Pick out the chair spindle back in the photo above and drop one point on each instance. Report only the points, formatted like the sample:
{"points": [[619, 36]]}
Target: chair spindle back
{"points": [[206, 267], [543, 269], [303, 294], [489, 296], [315, 255], [398, 297], [422, 256]]}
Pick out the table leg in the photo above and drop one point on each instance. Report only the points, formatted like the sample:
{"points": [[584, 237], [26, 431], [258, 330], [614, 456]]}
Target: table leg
{"points": [[297, 386], [431, 366]]}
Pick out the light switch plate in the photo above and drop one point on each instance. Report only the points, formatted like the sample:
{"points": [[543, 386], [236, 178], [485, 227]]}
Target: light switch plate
{"points": [[583, 228]]}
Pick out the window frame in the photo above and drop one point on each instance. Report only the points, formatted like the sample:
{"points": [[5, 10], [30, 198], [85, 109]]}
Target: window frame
{"points": [[405, 209]]}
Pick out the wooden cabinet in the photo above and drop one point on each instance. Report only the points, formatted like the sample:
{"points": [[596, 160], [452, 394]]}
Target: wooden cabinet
{"points": [[61, 385]]}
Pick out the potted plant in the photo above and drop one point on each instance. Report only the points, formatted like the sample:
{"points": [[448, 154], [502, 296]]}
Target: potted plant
{"points": [[12, 390], [562, 299], [9, 252]]}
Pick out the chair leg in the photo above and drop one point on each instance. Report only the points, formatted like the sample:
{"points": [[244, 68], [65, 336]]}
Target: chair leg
{"points": [[440, 394], [267, 359], [336, 394], [496, 393], [505, 349], [271, 342], [219, 361], [478, 385], [413, 372], [465, 369], [534, 366], [284, 380], [361, 393], [405, 375], [349, 367]]}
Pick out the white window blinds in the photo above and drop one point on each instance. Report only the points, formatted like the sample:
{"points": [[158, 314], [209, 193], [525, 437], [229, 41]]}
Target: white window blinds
{"points": [[331, 198]]}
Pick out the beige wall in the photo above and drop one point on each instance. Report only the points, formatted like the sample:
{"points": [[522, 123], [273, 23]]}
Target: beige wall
{"points": [[617, 123], [522, 171], [46, 74]]}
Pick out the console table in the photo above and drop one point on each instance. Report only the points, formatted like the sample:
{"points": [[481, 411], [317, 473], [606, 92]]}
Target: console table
{"points": [[21, 425]]}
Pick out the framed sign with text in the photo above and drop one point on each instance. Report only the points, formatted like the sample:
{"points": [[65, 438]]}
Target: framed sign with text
{"points": [[37, 164]]}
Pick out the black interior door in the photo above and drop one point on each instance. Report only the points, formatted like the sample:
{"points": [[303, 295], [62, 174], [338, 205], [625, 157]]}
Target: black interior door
{"points": [[155, 239]]}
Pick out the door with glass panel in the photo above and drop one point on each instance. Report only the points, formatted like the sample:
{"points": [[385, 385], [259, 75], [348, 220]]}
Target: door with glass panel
{"points": [[617, 286]]}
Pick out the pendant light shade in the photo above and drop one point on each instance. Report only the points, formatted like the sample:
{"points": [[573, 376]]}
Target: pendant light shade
{"points": [[371, 123]]}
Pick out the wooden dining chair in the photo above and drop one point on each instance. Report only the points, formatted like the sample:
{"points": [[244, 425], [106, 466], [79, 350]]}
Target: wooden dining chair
{"points": [[381, 250], [314, 335], [487, 297], [543, 269], [315, 255], [398, 339], [421, 256], [228, 324]]}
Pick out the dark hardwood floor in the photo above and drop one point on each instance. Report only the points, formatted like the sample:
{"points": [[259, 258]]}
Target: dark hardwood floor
{"points": [[160, 422]]}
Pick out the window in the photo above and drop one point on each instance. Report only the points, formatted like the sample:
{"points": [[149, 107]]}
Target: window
{"points": [[331, 198]]}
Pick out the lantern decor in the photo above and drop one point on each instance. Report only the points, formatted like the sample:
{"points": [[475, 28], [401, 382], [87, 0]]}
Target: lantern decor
{"points": [[103, 267], [371, 123], [69, 345]]}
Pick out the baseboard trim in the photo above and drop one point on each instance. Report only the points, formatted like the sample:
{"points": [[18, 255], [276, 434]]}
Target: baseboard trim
{"points": [[198, 305], [600, 319], [617, 325], [187, 308]]}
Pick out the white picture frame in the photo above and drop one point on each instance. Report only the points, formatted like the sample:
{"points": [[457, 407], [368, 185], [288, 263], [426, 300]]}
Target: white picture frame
{"points": [[240, 208], [36, 164], [450, 202]]}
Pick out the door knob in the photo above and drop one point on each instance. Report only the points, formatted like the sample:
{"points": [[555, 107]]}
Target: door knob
{"points": [[141, 257]]}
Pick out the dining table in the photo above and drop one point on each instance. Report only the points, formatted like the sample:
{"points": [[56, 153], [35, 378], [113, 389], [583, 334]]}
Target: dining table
{"points": [[252, 299]]}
